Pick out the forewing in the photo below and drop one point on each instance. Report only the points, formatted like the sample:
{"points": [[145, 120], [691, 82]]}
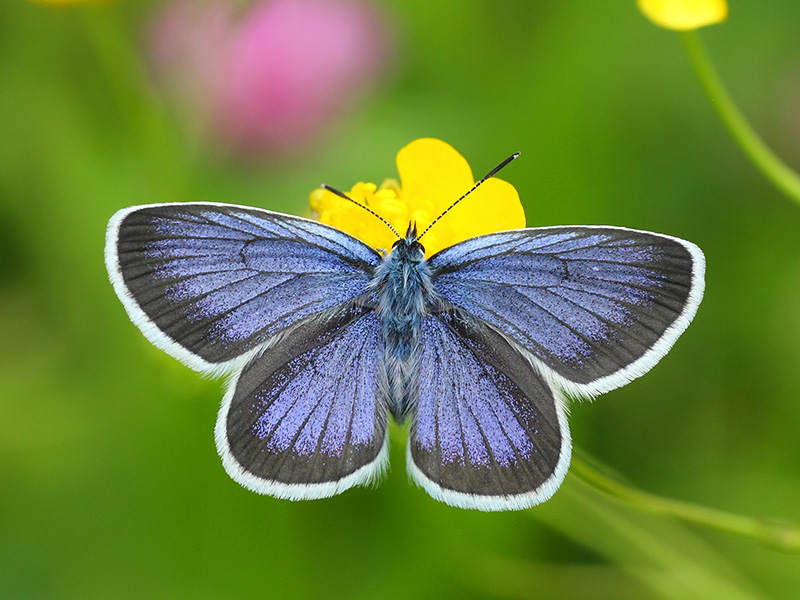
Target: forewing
{"points": [[210, 282], [598, 306], [488, 432], [304, 419]]}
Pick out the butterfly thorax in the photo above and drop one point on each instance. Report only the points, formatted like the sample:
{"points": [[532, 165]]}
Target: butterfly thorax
{"points": [[403, 285]]}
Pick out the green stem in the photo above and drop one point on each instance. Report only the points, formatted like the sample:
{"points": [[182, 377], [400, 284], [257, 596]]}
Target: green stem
{"points": [[784, 536], [655, 550], [773, 168]]}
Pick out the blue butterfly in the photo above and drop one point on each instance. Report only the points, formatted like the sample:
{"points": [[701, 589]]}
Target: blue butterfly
{"points": [[324, 338]]}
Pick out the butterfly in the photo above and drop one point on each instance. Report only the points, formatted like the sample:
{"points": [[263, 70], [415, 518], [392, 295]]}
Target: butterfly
{"points": [[324, 338]]}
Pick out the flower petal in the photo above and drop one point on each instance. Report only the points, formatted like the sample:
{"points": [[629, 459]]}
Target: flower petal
{"points": [[494, 206], [682, 15], [333, 210], [432, 176]]}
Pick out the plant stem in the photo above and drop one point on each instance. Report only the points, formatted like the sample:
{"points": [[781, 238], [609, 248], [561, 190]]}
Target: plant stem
{"points": [[772, 167], [780, 535]]}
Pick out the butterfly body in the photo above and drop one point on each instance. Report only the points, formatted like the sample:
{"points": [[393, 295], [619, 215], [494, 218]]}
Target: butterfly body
{"points": [[405, 293], [323, 338]]}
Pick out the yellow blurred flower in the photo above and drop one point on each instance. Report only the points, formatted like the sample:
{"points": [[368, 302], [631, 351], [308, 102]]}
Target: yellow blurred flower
{"points": [[432, 176], [682, 15]]}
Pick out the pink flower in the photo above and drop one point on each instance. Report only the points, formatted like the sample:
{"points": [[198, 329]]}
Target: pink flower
{"points": [[271, 79]]}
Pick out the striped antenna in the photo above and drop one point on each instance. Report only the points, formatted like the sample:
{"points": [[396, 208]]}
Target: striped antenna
{"points": [[472, 189], [325, 186]]}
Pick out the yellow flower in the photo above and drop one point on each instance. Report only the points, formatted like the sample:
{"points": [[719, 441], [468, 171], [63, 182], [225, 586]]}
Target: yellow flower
{"points": [[682, 15], [432, 176]]}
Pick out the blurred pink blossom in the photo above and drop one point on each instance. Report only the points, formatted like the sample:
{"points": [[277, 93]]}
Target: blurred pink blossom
{"points": [[270, 79]]}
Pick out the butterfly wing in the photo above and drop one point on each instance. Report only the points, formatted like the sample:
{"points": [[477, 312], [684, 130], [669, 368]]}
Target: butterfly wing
{"points": [[594, 306], [488, 431], [209, 283], [304, 419]]}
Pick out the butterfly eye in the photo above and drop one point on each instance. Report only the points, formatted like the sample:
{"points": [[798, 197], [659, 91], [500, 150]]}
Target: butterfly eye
{"points": [[417, 248]]}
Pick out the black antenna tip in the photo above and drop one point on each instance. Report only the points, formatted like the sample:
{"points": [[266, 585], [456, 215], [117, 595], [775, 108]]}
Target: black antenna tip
{"points": [[325, 186], [341, 194]]}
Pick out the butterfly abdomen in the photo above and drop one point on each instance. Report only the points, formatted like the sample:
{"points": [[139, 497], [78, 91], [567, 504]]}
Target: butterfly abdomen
{"points": [[403, 283]]}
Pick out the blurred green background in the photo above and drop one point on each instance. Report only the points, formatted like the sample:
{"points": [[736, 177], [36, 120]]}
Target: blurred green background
{"points": [[110, 486]]}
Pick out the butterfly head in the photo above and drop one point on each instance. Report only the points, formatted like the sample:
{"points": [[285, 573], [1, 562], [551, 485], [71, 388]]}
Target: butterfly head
{"points": [[408, 249]]}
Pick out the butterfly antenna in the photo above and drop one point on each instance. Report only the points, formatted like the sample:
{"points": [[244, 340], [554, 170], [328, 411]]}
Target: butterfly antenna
{"points": [[325, 186], [470, 190]]}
